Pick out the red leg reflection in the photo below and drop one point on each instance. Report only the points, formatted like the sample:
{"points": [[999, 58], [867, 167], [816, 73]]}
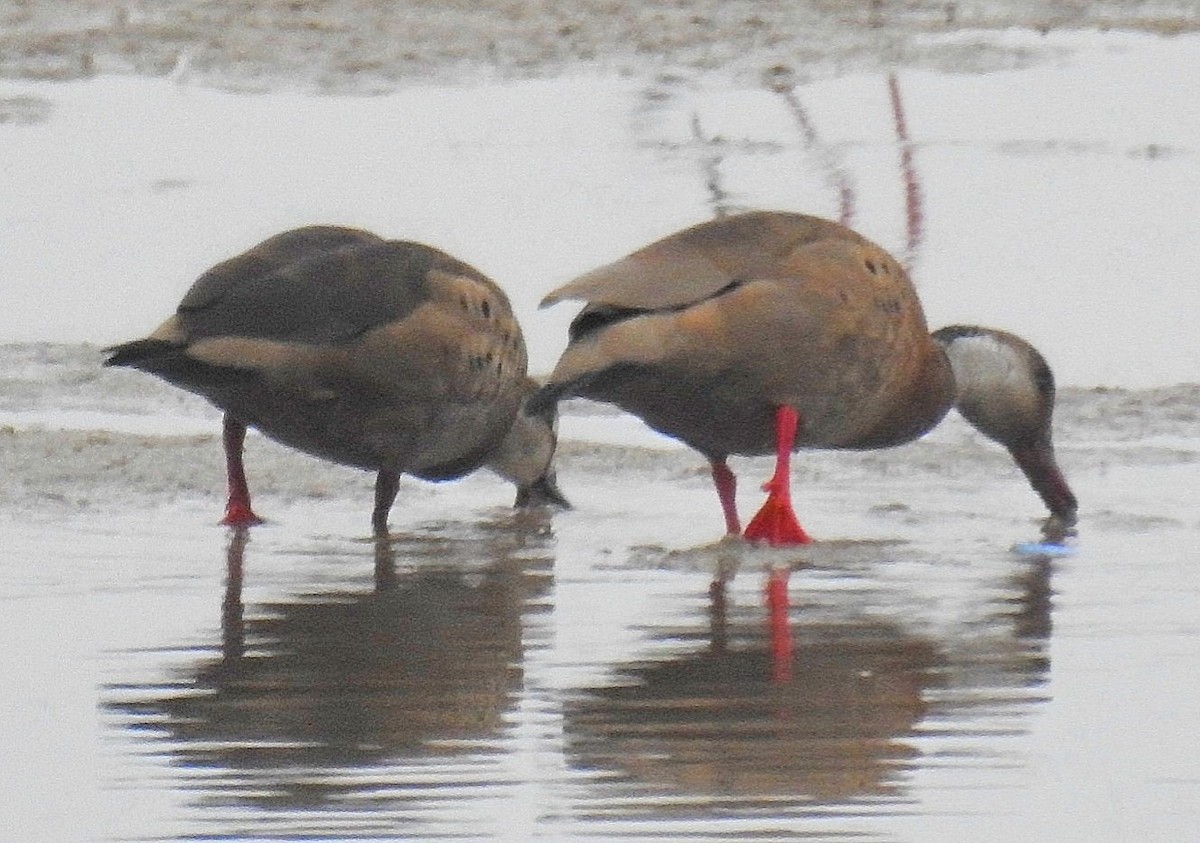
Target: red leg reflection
{"points": [[778, 624], [233, 637]]}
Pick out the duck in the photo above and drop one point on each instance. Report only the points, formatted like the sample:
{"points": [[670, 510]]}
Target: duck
{"points": [[386, 355], [767, 332]]}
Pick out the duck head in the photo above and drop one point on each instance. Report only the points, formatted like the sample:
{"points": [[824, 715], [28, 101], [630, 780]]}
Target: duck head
{"points": [[1005, 389], [526, 454]]}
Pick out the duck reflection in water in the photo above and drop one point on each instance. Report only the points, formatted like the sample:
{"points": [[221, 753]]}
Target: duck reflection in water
{"points": [[829, 715], [427, 661]]}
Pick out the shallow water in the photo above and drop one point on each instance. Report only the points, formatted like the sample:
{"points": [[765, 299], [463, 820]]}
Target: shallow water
{"points": [[486, 675], [609, 672]]}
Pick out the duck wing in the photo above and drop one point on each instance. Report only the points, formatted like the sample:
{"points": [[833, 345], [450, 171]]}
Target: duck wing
{"points": [[699, 262], [318, 285]]}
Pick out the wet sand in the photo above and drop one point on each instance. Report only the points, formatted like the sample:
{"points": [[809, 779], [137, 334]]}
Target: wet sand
{"points": [[81, 437], [350, 46]]}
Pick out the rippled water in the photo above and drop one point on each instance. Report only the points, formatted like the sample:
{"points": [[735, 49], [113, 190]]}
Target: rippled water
{"points": [[607, 673], [364, 706], [420, 690]]}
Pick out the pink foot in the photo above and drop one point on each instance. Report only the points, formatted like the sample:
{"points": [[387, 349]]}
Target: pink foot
{"points": [[775, 523], [238, 514]]}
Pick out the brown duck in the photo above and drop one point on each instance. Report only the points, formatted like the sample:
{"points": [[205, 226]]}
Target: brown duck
{"points": [[769, 332], [387, 355]]}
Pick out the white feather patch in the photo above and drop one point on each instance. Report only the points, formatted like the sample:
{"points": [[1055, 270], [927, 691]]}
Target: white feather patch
{"points": [[985, 364]]}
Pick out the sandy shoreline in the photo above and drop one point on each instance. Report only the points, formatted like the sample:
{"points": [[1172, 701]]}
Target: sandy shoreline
{"points": [[348, 46]]}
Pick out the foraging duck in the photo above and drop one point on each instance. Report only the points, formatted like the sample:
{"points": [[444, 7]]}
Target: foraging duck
{"points": [[382, 354], [768, 332]]}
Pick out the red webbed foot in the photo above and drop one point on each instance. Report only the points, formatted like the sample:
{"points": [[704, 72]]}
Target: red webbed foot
{"points": [[775, 523], [238, 514]]}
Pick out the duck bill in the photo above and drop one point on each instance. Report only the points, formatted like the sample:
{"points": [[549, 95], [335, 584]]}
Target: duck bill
{"points": [[542, 492], [1041, 469]]}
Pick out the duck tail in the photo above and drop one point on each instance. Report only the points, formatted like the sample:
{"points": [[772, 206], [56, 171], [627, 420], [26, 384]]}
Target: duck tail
{"points": [[140, 354]]}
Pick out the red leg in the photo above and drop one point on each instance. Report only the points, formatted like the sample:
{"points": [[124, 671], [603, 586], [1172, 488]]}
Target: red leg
{"points": [[237, 510], [780, 628], [726, 484], [776, 523]]}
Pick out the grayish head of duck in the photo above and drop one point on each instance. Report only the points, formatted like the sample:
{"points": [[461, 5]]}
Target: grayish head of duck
{"points": [[526, 455], [1004, 387]]}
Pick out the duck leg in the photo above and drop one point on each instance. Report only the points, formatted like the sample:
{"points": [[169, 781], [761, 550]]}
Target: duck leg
{"points": [[726, 483], [237, 509], [387, 485], [776, 522]]}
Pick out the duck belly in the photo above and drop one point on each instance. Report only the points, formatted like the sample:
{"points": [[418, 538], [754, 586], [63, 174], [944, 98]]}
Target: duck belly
{"points": [[430, 439]]}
